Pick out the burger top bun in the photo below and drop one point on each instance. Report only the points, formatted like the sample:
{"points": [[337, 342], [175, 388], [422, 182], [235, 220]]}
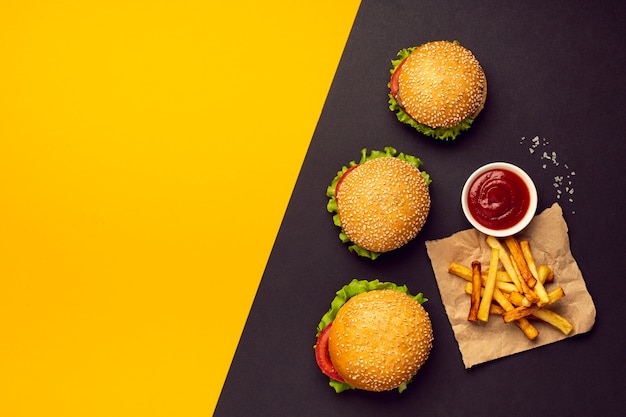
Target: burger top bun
{"points": [[441, 83], [383, 203], [380, 339]]}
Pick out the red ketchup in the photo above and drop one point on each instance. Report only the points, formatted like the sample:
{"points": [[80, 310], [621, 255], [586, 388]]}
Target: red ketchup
{"points": [[498, 199]]}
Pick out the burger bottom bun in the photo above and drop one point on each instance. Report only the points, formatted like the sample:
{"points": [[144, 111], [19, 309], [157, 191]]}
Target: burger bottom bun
{"points": [[380, 339]]}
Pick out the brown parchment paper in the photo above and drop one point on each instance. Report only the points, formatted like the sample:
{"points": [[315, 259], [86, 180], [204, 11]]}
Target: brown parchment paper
{"points": [[481, 342]]}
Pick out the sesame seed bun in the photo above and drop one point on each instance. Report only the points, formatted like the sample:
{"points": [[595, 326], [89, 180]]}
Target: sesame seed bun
{"points": [[380, 339], [382, 204], [440, 85]]}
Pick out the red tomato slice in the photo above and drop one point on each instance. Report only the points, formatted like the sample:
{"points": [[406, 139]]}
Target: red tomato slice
{"points": [[340, 181], [394, 84], [323, 358]]}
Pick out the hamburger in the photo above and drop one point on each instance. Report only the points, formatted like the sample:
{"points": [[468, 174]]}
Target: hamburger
{"points": [[375, 337], [439, 88], [380, 203]]}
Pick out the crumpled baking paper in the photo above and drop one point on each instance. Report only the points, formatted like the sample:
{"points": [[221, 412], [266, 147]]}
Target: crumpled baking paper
{"points": [[549, 242]]}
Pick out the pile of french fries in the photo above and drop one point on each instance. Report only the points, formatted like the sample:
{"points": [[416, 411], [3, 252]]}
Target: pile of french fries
{"points": [[517, 291]]}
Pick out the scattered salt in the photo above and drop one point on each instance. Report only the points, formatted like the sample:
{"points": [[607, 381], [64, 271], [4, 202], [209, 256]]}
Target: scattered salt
{"points": [[562, 180]]}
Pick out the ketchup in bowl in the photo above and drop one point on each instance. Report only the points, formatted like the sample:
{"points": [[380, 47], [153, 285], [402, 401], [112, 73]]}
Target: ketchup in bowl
{"points": [[499, 199]]}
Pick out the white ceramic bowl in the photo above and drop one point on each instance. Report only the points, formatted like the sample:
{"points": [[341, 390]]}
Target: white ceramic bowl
{"points": [[525, 220]]}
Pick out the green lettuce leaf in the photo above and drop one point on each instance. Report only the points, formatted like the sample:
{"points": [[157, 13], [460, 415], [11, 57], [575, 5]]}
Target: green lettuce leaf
{"points": [[441, 133], [332, 202], [348, 291]]}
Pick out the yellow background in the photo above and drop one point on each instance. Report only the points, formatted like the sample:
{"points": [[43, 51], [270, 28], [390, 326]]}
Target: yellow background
{"points": [[148, 150]]}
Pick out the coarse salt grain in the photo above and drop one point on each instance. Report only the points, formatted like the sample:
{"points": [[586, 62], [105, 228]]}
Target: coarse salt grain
{"points": [[562, 180]]}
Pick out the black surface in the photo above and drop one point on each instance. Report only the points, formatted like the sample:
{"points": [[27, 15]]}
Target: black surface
{"points": [[555, 70]]}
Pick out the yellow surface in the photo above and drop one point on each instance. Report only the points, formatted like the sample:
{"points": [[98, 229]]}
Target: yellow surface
{"points": [[146, 160]]}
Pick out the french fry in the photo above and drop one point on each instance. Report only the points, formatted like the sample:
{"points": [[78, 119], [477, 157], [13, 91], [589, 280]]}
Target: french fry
{"points": [[501, 276], [517, 257], [475, 295], [496, 309], [526, 290], [518, 299], [532, 266], [469, 286], [519, 312], [554, 319], [555, 295], [545, 274], [541, 292], [494, 243], [502, 300], [490, 285], [528, 257], [460, 271], [506, 287], [529, 330], [466, 273], [503, 281]]}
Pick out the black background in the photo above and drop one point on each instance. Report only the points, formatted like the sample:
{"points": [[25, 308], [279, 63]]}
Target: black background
{"points": [[555, 70]]}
